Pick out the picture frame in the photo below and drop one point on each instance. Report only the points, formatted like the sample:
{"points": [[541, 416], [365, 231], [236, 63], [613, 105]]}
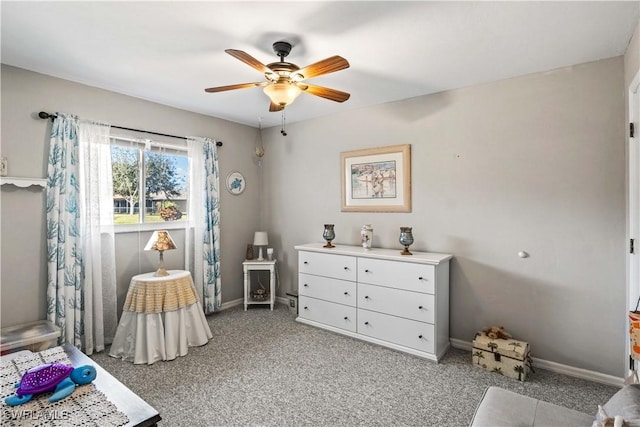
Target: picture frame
{"points": [[376, 179], [235, 183]]}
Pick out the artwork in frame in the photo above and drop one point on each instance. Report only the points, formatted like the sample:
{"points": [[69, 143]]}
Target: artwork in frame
{"points": [[235, 183], [377, 179]]}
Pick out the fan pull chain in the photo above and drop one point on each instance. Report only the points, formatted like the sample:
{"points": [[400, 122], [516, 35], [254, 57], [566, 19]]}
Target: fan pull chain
{"points": [[282, 131]]}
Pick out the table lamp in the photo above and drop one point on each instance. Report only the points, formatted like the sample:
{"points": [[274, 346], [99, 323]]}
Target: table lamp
{"points": [[160, 241], [260, 239]]}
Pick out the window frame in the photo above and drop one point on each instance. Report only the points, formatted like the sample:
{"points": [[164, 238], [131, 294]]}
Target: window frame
{"points": [[142, 145]]}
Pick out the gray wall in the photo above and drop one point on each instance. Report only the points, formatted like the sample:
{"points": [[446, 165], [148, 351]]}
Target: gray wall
{"points": [[535, 163], [25, 143]]}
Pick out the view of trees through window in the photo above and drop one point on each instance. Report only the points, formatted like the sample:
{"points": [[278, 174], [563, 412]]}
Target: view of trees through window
{"points": [[155, 179]]}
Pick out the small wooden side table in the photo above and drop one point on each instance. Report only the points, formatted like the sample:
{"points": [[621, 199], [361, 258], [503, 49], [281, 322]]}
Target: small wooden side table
{"points": [[250, 265]]}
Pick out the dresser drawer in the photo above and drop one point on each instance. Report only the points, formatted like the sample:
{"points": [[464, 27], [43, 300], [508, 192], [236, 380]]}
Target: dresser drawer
{"points": [[336, 266], [405, 332], [411, 305], [328, 313], [395, 274], [335, 290]]}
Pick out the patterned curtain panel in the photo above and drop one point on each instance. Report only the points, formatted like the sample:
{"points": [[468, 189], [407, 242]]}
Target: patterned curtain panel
{"points": [[204, 221], [64, 245], [80, 252]]}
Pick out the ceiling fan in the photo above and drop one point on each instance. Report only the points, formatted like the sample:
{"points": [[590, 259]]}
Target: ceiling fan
{"points": [[285, 80]]}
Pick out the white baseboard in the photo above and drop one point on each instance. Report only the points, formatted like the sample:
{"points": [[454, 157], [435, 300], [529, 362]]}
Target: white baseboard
{"points": [[230, 304], [556, 367]]}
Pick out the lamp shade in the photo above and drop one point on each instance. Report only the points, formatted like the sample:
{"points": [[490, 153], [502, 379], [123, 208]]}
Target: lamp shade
{"points": [[282, 93], [160, 241], [260, 238]]}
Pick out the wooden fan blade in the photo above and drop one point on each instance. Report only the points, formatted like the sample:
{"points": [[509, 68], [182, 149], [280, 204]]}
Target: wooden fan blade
{"points": [[232, 87], [275, 107], [249, 60], [326, 66], [325, 92]]}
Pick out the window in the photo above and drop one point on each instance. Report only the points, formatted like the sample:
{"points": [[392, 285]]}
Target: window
{"points": [[151, 176]]}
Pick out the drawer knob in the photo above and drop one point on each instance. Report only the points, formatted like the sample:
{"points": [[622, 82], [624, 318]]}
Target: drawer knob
{"points": [[366, 297], [305, 285], [366, 271], [420, 278], [306, 308], [420, 336], [420, 308], [305, 263], [346, 318], [346, 293], [366, 323], [346, 268]]}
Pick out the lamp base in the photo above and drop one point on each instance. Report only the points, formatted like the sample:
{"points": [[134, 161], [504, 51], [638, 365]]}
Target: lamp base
{"points": [[160, 272]]}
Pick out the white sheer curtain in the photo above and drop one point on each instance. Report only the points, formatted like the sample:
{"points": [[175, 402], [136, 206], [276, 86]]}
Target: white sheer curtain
{"points": [[203, 233], [96, 207]]}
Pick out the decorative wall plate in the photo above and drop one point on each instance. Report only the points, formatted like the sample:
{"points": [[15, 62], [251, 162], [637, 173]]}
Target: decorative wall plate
{"points": [[235, 183]]}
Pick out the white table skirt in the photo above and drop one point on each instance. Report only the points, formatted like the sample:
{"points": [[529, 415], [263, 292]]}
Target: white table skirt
{"points": [[149, 337]]}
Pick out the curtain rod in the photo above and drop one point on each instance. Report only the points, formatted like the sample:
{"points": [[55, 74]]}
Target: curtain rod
{"points": [[45, 115]]}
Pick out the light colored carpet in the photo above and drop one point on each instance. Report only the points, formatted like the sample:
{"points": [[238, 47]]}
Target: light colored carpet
{"points": [[262, 368]]}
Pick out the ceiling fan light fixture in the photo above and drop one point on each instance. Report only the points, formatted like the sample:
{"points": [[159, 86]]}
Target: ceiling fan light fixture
{"points": [[282, 93], [285, 80], [296, 77], [272, 76]]}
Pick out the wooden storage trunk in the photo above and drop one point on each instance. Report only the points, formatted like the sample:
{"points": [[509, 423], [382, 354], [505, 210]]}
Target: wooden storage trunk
{"points": [[507, 357]]}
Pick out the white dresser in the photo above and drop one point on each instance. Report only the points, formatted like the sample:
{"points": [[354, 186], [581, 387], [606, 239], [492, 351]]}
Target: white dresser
{"points": [[377, 295]]}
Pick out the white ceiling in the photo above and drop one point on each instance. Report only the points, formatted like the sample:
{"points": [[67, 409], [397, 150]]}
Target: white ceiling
{"points": [[168, 52]]}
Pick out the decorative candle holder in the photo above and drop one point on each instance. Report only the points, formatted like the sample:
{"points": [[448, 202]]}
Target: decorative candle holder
{"points": [[366, 236], [406, 239], [328, 234]]}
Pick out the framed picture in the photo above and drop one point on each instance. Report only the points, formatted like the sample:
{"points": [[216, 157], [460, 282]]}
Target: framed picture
{"points": [[377, 179], [235, 183]]}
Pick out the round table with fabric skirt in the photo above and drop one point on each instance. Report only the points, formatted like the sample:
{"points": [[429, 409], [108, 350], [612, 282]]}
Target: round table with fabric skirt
{"points": [[162, 317]]}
